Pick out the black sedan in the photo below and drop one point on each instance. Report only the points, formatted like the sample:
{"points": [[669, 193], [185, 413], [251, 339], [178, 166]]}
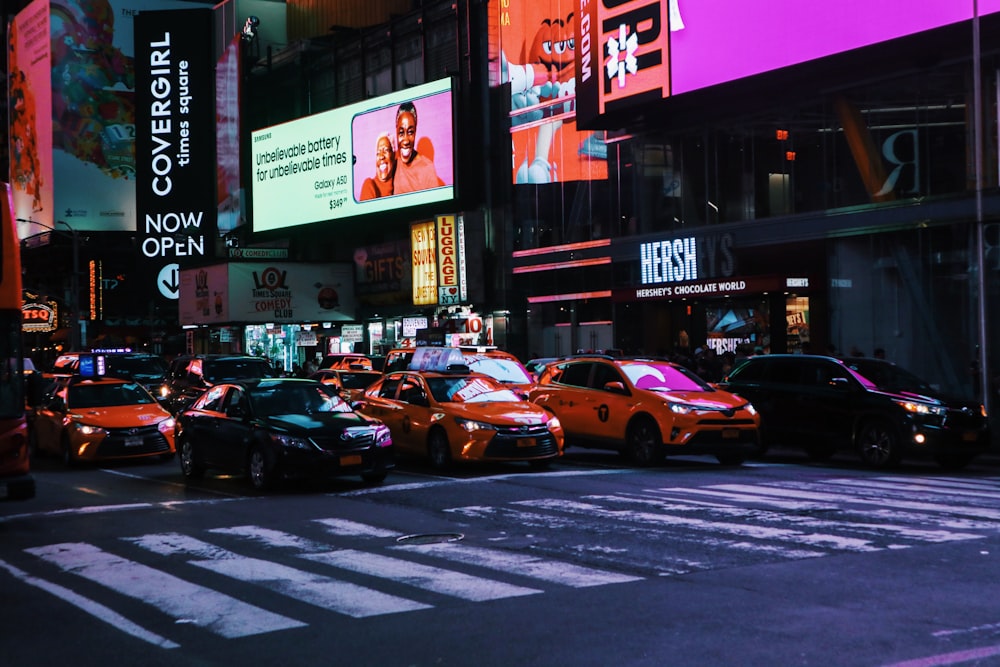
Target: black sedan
{"points": [[281, 428]]}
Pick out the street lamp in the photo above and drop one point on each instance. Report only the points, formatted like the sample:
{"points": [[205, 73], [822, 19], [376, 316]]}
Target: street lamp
{"points": [[73, 300]]}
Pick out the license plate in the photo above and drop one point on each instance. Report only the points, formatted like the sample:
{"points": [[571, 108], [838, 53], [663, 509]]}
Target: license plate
{"points": [[350, 460], [526, 442], [133, 442], [970, 436], [730, 433]]}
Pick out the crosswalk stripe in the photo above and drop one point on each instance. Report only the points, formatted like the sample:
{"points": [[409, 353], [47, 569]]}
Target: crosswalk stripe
{"points": [[921, 488], [176, 597], [878, 525], [354, 529], [339, 596], [795, 491], [446, 582], [521, 564], [744, 529], [438, 580], [95, 609]]}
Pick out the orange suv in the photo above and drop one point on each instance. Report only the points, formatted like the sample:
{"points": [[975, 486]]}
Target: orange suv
{"points": [[646, 408]]}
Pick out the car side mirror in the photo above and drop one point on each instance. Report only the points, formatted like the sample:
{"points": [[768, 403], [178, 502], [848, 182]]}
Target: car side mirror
{"points": [[840, 383], [616, 388]]}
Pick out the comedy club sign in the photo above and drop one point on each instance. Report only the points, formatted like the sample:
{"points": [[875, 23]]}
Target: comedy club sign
{"points": [[175, 140]]}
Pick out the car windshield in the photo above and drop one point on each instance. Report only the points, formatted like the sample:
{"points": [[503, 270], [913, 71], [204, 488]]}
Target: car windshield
{"points": [[504, 370], [358, 380], [151, 366], [295, 398], [220, 370], [469, 389], [654, 376], [887, 376], [81, 396]]}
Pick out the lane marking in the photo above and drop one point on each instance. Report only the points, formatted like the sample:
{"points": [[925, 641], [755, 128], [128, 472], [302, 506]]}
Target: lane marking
{"points": [[173, 596], [338, 596], [95, 609], [953, 658]]}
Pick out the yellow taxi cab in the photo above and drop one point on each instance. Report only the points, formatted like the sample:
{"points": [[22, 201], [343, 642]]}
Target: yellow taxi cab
{"points": [[440, 410], [486, 359], [346, 361], [646, 409], [97, 418], [349, 385]]}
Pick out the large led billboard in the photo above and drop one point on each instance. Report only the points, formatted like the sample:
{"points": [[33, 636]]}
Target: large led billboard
{"points": [[630, 52], [72, 68], [387, 153], [724, 40], [30, 122], [535, 50]]}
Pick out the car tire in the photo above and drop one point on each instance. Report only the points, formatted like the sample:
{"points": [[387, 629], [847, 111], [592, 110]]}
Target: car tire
{"points": [[438, 449], [643, 443], [190, 467], [878, 444], [260, 468]]}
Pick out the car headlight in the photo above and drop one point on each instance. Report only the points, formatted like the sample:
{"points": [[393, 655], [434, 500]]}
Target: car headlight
{"points": [[750, 408], [382, 436], [921, 408], [681, 408], [553, 423], [291, 442], [471, 425], [166, 425], [87, 429]]}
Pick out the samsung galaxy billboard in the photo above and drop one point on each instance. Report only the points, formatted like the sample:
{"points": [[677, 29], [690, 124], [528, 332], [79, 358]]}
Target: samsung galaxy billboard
{"points": [[387, 153], [630, 51]]}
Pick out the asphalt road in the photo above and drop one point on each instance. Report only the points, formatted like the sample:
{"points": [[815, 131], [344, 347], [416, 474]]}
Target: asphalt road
{"points": [[775, 563]]}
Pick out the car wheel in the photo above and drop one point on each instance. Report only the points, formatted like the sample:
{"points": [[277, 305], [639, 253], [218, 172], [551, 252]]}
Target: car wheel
{"points": [[643, 444], [954, 461], [260, 468], [438, 449], [374, 477], [878, 444], [189, 460]]}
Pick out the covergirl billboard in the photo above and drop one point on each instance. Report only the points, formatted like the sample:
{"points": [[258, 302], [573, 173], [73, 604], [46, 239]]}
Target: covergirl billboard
{"points": [[631, 51]]}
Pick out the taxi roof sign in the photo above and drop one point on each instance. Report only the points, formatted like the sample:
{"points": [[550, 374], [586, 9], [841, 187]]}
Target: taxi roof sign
{"points": [[428, 358]]}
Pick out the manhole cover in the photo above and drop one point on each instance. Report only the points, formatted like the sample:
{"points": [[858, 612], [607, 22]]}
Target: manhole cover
{"points": [[430, 538]]}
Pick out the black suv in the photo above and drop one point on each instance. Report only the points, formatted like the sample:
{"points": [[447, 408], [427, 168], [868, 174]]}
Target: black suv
{"points": [[823, 404], [190, 375], [148, 369]]}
